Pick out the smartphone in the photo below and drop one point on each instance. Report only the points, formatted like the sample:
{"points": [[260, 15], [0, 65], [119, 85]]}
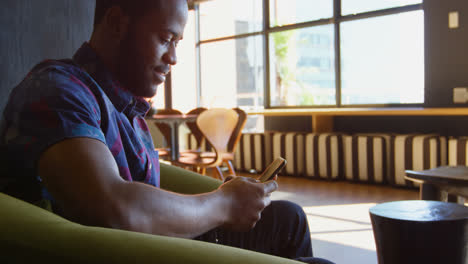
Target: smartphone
{"points": [[272, 169]]}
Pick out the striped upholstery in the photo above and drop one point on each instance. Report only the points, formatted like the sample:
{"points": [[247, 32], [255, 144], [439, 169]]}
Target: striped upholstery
{"points": [[323, 155], [254, 152], [373, 158], [291, 147], [415, 152], [366, 157], [458, 151], [457, 156], [308, 154]]}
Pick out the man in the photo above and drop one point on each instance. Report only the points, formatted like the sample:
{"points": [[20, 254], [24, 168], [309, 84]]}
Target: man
{"points": [[75, 127]]}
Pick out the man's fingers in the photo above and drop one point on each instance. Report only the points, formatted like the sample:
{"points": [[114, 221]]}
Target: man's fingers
{"points": [[252, 180], [270, 186], [266, 201], [229, 177]]}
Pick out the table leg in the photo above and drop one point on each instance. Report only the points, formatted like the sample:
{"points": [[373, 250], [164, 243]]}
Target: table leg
{"points": [[428, 191], [451, 198], [175, 142]]}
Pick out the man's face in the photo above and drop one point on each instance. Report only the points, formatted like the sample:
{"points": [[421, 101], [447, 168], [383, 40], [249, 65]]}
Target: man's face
{"points": [[148, 50]]}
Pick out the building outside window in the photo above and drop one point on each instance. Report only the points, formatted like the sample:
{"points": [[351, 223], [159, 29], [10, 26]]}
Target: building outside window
{"points": [[258, 54]]}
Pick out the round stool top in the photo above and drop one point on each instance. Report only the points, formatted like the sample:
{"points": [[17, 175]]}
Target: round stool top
{"points": [[421, 210]]}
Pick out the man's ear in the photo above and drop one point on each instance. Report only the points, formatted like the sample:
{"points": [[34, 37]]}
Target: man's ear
{"points": [[116, 23]]}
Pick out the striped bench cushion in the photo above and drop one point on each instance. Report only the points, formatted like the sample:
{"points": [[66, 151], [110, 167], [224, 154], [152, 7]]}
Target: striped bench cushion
{"points": [[366, 157], [308, 154], [457, 156], [291, 147], [415, 152], [458, 151], [323, 155], [374, 158], [253, 152]]}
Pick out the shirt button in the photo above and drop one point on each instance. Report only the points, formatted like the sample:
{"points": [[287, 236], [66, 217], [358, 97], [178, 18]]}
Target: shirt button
{"points": [[150, 165]]}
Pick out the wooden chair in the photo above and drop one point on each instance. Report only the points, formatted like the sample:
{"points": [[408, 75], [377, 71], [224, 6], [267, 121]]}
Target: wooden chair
{"points": [[234, 139], [217, 126], [164, 153], [195, 131]]}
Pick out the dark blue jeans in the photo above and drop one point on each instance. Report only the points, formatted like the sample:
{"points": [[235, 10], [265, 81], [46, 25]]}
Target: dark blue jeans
{"points": [[282, 231]]}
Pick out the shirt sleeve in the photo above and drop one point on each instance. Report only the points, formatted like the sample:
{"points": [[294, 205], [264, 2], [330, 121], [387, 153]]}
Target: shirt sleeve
{"points": [[46, 108]]}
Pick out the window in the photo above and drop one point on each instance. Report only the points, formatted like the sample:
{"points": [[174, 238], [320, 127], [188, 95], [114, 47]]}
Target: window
{"points": [[232, 73], [157, 102], [302, 68], [288, 12], [349, 7], [382, 60], [184, 74], [223, 18], [306, 53]]}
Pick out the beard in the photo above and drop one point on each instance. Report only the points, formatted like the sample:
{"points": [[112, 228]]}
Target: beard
{"points": [[133, 71]]}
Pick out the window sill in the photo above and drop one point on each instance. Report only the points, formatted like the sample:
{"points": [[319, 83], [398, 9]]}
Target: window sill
{"points": [[322, 118]]}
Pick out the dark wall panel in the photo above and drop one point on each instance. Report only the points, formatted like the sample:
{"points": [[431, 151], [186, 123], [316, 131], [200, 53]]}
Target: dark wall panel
{"points": [[446, 51], [442, 125], [34, 30], [288, 123]]}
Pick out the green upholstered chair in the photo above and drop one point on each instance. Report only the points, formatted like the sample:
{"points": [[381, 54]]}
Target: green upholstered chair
{"points": [[30, 234]]}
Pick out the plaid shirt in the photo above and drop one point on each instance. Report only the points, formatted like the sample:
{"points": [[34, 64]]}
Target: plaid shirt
{"points": [[71, 99]]}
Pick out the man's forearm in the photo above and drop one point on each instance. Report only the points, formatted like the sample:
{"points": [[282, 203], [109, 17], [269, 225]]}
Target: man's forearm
{"points": [[146, 209], [82, 176]]}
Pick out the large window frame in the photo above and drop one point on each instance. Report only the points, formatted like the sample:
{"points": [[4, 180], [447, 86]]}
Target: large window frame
{"points": [[336, 21]]}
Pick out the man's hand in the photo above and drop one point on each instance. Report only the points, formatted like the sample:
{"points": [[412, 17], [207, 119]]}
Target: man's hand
{"points": [[246, 199]]}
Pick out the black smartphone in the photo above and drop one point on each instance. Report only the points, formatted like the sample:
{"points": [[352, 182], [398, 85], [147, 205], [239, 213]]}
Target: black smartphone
{"points": [[272, 169]]}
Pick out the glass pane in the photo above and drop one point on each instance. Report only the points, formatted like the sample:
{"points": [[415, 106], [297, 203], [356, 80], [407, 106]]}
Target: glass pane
{"points": [[349, 7], [223, 18], [302, 67], [232, 73], [157, 101], [383, 59], [287, 12], [184, 81]]}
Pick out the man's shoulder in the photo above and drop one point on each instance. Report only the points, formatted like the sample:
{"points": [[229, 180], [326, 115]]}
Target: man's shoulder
{"points": [[58, 70], [56, 77]]}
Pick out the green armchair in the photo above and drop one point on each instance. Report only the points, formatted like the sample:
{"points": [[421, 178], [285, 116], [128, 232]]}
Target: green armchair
{"points": [[31, 234]]}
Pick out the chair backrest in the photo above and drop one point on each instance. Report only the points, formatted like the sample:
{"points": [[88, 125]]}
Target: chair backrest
{"points": [[237, 133], [165, 128], [194, 128], [217, 125]]}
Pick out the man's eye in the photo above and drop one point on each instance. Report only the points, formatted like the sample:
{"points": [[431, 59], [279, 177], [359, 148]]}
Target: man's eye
{"points": [[165, 40]]}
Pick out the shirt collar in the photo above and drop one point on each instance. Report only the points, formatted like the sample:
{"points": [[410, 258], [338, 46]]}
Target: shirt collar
{"points": [[122, 98]]}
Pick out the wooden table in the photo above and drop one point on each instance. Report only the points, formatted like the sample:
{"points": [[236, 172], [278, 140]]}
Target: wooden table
{"points": [[174, 121], [453, 180]]}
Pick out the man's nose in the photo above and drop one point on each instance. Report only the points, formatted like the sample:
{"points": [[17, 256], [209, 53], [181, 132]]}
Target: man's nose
{"points": [[170, 56]]}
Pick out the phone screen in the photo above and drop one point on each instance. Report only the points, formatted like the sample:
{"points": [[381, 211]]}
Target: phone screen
{"points": [[272, 169]]}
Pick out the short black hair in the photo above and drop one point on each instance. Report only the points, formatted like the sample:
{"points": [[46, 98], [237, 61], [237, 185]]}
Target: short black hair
{"points": [[132, 8]]}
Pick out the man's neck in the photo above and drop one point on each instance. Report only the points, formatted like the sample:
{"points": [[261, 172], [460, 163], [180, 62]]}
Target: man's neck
{"points": [[104, 51]]}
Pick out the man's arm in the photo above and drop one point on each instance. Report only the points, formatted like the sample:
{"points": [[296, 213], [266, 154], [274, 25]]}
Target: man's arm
{"points": [[83, 177]]}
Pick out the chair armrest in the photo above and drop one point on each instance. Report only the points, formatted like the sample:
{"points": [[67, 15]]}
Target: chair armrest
{"points": [[179, 180], [30, 234]]}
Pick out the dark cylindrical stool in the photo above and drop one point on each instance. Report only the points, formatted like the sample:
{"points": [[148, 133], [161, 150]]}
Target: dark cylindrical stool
{"points": [[420, 232]]}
